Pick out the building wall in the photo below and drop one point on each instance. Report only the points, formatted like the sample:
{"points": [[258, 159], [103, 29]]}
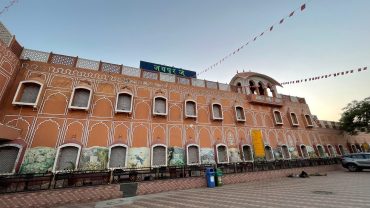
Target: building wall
{"points": [[53, 124]]}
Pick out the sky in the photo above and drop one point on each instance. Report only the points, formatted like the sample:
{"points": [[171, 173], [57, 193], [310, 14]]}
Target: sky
{"points": [[328, 36]]}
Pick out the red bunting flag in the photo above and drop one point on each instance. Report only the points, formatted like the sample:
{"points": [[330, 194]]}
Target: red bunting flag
{"points": [[281, 21], [291, 14], [303, 7], [272, 27]]}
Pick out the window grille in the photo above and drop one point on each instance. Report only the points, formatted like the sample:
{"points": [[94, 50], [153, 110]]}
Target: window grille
{"points": [[117, 157], [8, 155], [67, 158], [81, 98], [30, 93]]}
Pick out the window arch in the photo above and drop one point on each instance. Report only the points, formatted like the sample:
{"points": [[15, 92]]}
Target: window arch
{"points": [[270, 91], [331, 151], [9, 157], [261, 88], [192, 154], [285, 152], [118, 156], [277, 117], [81, 98], [191, 110], [160, 105], [222, 154], [28, 93], [304, 151], [67, 157], [294, 119], [247, 153], [159, 155], [217, 113], [239, 113], [341, 149], [320, 151], [269, 154], [252, 87], [124, 101], [308, 120], [353, 147]]}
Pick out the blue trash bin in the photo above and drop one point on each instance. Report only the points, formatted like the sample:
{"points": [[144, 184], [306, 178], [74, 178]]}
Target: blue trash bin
{"points": [[210, 177]]}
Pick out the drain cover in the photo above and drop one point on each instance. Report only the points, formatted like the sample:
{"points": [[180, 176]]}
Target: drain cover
{"points": [[323, 192]]}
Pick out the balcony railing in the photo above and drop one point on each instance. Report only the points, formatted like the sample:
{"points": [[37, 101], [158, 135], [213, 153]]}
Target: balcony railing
{"points": [[265, 100]]}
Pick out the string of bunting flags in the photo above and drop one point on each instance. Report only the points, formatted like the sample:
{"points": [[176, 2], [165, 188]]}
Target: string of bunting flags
{"points": [[324, 76], [6, 8], [269, 29]]}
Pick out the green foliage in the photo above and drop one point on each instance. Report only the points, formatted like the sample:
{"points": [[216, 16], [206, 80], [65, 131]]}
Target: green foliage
{"points": [[356, 117]]}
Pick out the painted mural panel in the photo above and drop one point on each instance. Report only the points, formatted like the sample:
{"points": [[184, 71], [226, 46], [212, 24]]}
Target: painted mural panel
{"points": [[258, 145], [311, 152], [38, 160], [138, 157], [207, 156], [176, 156], [94, 158], [234, 155], [278, 154], [293, 153]]}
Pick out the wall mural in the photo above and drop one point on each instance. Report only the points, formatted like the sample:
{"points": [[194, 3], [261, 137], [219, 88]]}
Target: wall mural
{"points": [[293, 153], [278, 154], [94, 158], [176, 156], [234, 155], [311, 152], [38, 160], [207, 156], [138, 157]]}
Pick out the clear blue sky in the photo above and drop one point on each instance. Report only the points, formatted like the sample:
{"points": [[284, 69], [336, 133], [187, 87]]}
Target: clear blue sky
{"points": [[329, 36]]}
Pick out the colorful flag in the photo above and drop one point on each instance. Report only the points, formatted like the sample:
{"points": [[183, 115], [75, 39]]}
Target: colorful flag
{"points": [[272, 27], [281, 21], [291, 14]]}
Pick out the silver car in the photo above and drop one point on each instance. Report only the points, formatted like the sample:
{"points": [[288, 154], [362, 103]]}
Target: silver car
{"points": [[356, 161]]}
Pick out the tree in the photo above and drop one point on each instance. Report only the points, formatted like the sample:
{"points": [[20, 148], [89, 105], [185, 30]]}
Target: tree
{"points": [[356, 117]]}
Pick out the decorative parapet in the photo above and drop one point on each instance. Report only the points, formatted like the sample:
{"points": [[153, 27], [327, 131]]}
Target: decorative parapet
{"points": [[167, 77], [212, 85], [150, 75], [5, 35], [131, 71], [110, 68], [184, 81], [224, 87], [34, 55], [62, 59], [198, 82], [87, 64]]}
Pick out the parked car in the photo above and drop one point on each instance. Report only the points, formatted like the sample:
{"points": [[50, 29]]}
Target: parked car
{"points": [[356, 161]]}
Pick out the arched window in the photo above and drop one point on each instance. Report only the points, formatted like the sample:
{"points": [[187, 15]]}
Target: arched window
{"points": [[331, 151], [285, 152], [28, 93], [269, 155], [217, 113], [222, 154], [358, 148], [239, 113], [261, 88], [321, 152], [341, 150], [81, 98], [9, 155], [67, 157], [353, 147], [304, 151], [160, 106], [124, 102], [252, 87], [159, 155], [118, 156], [277, 117], [190, 109], [247, 153], [192, 154], [270, 91], [294, 119], [308, 120]]}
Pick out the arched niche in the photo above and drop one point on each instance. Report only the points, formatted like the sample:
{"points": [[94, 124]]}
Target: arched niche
{"points": [[269, 154], [304, 151], [80, 98], [159, 155], [222, 154], [160, 106], [28, 93], [9, 157], [124, 102], [192, 154], [67, 157], [118, 156], [247, 153], [285, 152], [217, 113], [239, 113], [190, 109]]}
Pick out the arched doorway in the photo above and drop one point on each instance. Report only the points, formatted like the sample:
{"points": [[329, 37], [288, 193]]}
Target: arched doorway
{"points": [[269, 155], [8, 158], [304, 151], [67, 157], [118, 156], [285, 152]]}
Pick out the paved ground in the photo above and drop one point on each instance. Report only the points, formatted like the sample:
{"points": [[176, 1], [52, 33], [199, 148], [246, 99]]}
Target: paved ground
{"points": [[338, 189]]}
